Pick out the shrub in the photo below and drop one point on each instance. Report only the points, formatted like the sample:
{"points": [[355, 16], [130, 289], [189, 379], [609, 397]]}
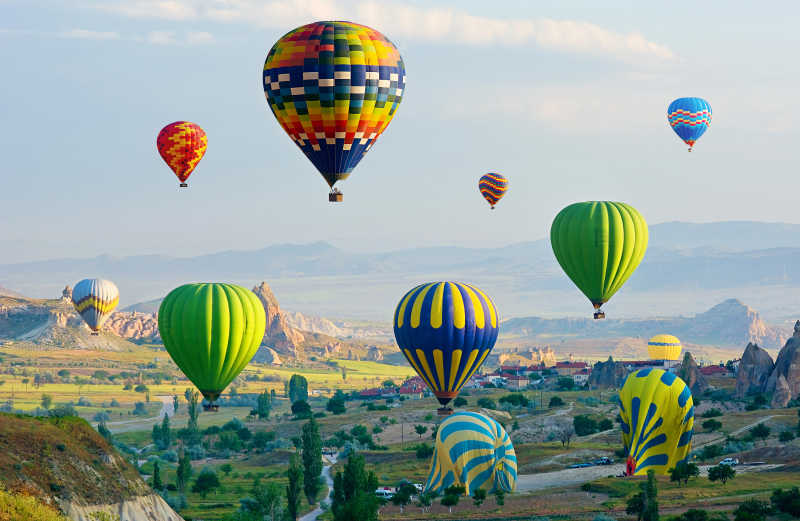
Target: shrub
{"points": [[555, 401], [751, 510], [605, 424], [786, 436], [460, 402], [84, 402], [787, 502], [712, 425], [515, 399], [711, 413], [584, 425], [711, 452], [424, 451], [487, 403]]}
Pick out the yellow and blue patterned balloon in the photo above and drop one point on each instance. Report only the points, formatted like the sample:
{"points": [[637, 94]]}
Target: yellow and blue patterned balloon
{"points": [[657, 418], [474, 451], [664, 347], [95, 299], [445, 330]]}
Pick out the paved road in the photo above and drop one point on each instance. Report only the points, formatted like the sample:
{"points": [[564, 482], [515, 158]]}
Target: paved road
{"points": [[561, 478], [138, 424], [326, 474]]}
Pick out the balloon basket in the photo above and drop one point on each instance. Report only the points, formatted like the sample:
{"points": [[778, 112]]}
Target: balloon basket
{"points": [[184, 185], [94, 333], [599, 315], [335, 197], [444, 411], [212, 407]]}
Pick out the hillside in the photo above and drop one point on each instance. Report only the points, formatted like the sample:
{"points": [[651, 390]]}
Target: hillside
{"points": [[728, 324], [65, 463]]}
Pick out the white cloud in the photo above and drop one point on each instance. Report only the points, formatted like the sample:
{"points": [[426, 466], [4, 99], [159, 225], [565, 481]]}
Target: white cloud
{"points": [[199, 38], [399, 20], [161, 38], [85, 34]]}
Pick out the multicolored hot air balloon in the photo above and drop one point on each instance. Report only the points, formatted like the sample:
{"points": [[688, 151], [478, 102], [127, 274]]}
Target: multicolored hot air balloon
{"points": [[664, 347], [657, 418], [95, 299], [493, 187], [599, 244], [474, 451], [182, 145], [334, 87], [445, 330], [211, 331], [689, 118]]}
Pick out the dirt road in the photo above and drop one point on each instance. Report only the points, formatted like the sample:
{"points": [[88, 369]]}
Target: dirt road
{"points": [[139, 424]]}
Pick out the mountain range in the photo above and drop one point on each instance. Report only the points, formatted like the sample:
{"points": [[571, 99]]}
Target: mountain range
{"points": [[687, 269]]}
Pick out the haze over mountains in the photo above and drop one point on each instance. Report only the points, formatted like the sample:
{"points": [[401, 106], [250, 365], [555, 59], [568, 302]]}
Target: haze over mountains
{"points": [[688, 269]]}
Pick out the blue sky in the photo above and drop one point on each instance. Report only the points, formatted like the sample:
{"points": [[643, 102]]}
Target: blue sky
{"points": [[567, 99]]}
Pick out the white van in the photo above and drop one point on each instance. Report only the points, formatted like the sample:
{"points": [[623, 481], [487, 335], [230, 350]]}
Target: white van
{"points": [[384, 494], [729, 461]]}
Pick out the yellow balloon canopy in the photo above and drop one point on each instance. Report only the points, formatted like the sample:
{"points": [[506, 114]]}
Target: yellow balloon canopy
{"points": [[664, 347]]}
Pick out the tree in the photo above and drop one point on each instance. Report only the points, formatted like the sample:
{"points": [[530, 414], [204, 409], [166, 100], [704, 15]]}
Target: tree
{"points": [[403, 495], [226, 469], [605, 424], [451, 496], [312, 460], [449, 501], [712, 425], [388, 384], [787, 502], [555, 401], [460, 402], [499, 496], [25, 381], [711, 452], [298, 388], [751, 510], [354, 492], [193, 398], [266, 502], [336, 404], [264, 405], [564, 431], [786, 436], [207, 481], [721, 473], [760, 432], [424, 501], [693, 514], [584, 425], [47, 401], [478, 497], [184, 471], [103, 431], [295, 487], [644, 504], [301, 409], [565, 383], [420, 429], [487, 403], [175, 404], [683, 471], [157, 484]]}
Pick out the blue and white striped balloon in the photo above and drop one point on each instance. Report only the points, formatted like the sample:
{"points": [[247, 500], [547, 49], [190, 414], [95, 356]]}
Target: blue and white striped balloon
{"points": [[95, 299], [474, 451]]}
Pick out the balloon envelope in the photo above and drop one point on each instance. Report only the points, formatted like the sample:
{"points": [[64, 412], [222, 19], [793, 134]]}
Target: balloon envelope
{"points": [[664, 347], [599, 244], [334, 87], [445, 330], [474, 451], [94, 300], [493, 187], [182, 145], [211, 331], [657, 418], [689, 118]]}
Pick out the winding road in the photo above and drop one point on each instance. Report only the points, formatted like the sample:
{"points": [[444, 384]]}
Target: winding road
{"points": [[326, 474], [138, 424]]}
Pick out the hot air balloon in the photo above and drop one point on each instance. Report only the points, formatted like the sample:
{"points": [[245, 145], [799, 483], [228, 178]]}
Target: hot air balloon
{"points": [[664, 347], [599, 244], [474, 451], [657, 417], [182, 145], [94, 300], [493, 187], [334, 87], [445, 330], [689, 118], [211, 331]]}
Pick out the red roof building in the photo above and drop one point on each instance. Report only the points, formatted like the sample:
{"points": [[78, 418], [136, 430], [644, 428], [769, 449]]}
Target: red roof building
{"points": [[570, 368], [711, 370]]}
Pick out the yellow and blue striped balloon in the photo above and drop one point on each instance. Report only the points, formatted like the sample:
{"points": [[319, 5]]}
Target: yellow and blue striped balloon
{"points": [[657, 418], [445, 330], [664, 347], [474, 451], [94, 300]]}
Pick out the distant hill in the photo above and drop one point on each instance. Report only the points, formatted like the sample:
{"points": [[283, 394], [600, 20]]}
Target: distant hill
{"points": [[66, 463], [150, 306], [687, 268], [8, 293], [728, 324]]}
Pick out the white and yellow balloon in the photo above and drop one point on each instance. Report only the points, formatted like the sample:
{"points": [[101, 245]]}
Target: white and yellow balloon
{"points": [[95, 299]]}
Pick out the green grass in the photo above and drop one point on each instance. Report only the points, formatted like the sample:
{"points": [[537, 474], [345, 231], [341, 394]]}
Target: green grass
{"points": [[18, 506]]}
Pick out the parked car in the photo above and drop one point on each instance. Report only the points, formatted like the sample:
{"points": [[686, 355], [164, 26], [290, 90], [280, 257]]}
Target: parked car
{"points": [[383, 493], [419, 487], [603, 461], [730, 461]]}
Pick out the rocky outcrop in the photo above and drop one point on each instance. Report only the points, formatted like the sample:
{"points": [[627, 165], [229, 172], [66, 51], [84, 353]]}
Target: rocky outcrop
{"points": [[133, 325], [690, 373], [782, 395], [267, 355], [754, 370], [142, 508], [320, 325], [607, 375], [374, 354], [787, 366], [278, 334]]}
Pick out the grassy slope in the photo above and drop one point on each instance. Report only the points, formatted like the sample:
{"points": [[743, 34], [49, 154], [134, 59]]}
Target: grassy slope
{"points": [[19, 506]]}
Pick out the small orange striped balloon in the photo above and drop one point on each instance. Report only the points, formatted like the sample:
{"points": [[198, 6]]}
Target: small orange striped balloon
{"points": [[182, 145]]}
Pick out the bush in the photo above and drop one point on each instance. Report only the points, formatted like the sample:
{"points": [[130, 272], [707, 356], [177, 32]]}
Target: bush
{"points": [[752, 510], [555, 401], [712, 425], [141, 388], [460, 402], [711, 452], [605, 424], [487, 403], [711, 413], [170, 455], [515, 399], [584, 425], [61, 411], [84, 402], [786, 436], [787, 502], [424, 451]]}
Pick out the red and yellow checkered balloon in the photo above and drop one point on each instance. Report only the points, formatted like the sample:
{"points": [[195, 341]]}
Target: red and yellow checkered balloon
{"points": [[182, 145]]}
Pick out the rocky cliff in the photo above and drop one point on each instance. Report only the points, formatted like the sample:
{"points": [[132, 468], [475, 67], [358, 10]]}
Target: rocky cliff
{"points": [[787, 366], [690, 373], [278, 334], [754, 370], [321, 325], [134, 326], [607, 375], [65, 463]]}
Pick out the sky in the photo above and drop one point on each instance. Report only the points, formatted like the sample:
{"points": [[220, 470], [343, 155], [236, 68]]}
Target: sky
{"points": [[566, 98]]}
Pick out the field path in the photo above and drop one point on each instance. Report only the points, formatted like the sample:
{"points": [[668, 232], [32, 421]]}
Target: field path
{"points": [[326, 474], [139, 424]]}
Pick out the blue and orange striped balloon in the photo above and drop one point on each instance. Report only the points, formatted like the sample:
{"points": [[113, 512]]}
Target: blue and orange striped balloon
{"points": [[689, 118], [445, 330], [474, 451], [493, 187]]}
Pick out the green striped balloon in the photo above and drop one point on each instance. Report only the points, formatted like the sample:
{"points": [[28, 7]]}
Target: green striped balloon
{"points": [[211, 331], [599, 244]]}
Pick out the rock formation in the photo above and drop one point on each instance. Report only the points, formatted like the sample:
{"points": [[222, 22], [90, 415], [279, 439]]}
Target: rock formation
{"points": [[374, 354], [66, 293], [787, 366], [267, 355], [690, 373], [320, 325], [607, 375], [782, 395], [754, 370], [133, 326], [278, 335]]}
